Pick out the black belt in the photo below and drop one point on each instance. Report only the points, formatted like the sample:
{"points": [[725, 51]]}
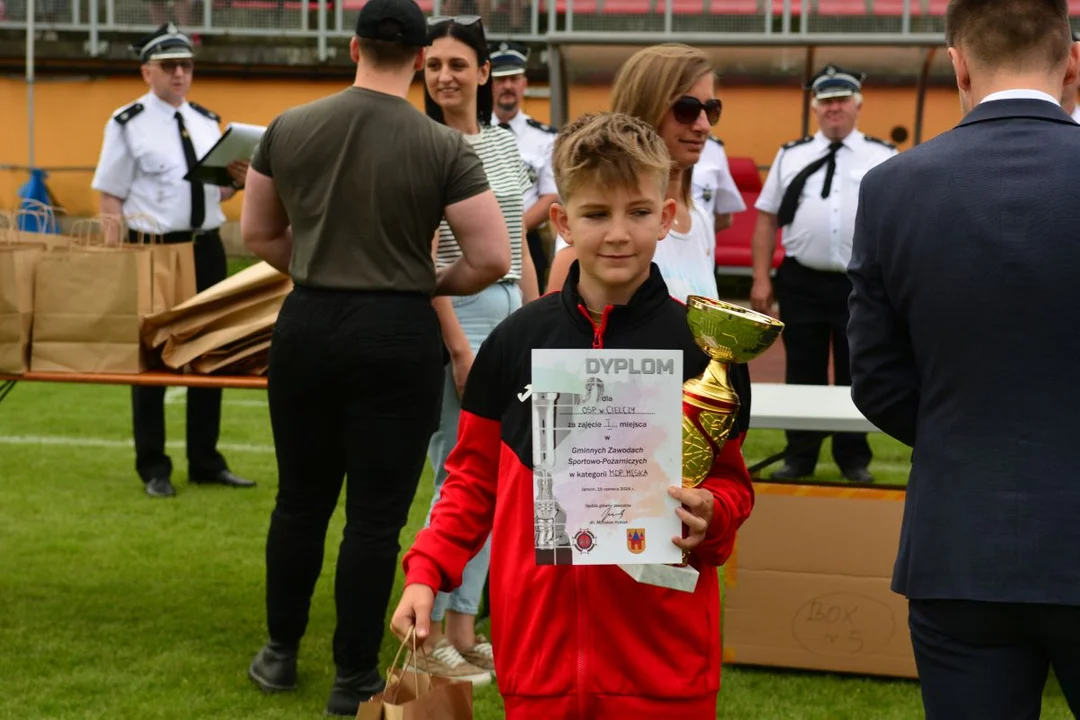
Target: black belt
{"points": [[174, 237]]}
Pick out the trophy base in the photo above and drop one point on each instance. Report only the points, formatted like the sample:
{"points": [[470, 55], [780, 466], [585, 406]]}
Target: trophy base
{"points": [[674, 577]]}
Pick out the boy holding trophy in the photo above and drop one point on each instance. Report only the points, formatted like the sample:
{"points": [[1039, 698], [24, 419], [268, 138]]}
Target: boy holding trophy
{"points": [[570, 640]]}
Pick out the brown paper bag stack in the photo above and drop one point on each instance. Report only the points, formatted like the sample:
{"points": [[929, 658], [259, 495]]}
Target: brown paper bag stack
{"points": [[18, 264], [416, 696], [225, 329], [89, 304], [19, 254], [91, 295]]}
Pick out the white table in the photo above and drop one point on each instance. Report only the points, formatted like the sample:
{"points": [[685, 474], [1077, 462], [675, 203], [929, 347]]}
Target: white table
{"points": [[827, 408]]}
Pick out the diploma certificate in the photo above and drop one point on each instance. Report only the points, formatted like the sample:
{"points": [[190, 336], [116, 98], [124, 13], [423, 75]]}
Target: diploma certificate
{"points": [[607, 444]]}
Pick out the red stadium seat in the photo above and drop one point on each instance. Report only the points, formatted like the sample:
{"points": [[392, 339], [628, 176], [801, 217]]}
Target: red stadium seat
{"points": [[841, 7], [895, 8], [683, 7], [733, 245], [937, 7], [744, 171], [734, 7], [626, 7], [778, 7]]}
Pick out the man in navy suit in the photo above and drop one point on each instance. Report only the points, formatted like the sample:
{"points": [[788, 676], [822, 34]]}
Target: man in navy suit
{"points": [[965, 345]]}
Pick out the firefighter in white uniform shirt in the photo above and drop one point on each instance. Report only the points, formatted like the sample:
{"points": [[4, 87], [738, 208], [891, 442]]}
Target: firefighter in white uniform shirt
{"points": [[148, 147], [713, 187], [535, 142], [812, 192]]}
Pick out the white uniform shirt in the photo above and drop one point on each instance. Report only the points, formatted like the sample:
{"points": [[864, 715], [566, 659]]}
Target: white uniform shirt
{"points": [[820, 235], [686, 260], [142, 162], [712, 185], [535, 142]]}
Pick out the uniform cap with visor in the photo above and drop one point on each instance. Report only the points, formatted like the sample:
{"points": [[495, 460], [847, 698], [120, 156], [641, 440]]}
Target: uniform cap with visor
{"points": [[835, 82], [165, 43]]}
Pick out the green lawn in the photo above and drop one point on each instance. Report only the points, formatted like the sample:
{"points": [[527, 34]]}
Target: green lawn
{"points": [[113, 605]]}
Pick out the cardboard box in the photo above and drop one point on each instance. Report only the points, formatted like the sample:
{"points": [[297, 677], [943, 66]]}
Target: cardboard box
{"points": [[808, 585]]}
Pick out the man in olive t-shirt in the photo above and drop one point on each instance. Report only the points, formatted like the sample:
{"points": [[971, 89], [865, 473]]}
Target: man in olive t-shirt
{"points": [[345, 194]]}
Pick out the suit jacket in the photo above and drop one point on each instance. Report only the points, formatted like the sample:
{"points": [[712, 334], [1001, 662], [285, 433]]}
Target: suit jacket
{"points": [[965, 344]]}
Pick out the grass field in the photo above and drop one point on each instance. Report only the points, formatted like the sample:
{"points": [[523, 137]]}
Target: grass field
{"points": [[113, 605]]}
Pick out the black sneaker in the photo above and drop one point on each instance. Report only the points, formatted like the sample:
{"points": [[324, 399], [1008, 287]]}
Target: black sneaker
{"points": [[160, 487], [352, 689], [274, 668]]}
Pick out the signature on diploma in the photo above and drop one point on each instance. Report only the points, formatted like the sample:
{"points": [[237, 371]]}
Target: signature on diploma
{"points": [[612, 514]]}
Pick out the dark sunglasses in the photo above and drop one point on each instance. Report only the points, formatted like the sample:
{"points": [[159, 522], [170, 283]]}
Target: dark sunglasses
{"points": [[457, 19], [170, 66], [688, 109]]}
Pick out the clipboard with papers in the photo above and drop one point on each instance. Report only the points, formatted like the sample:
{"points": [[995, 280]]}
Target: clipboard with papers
{"points": [[238, 142]]}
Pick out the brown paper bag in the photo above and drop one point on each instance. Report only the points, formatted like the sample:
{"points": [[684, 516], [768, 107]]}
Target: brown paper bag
{"points": [[45, 215], [225, 330], [415, 696], [88, 309], [173, 263], [252, 286], [234, 359], [17, 266]]}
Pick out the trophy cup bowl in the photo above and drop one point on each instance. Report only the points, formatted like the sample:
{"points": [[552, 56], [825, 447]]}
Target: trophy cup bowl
{"points": [[728, 334]]}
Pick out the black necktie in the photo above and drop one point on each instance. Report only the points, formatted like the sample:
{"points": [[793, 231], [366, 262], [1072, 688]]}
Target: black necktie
{"points": [[506, 126], [790, 203], [198, 198]]}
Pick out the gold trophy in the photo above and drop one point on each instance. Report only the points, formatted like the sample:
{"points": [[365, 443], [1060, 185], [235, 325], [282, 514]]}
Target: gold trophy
{"points": [[727, 334]]}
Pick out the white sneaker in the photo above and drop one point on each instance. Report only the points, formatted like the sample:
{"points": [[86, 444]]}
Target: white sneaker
{"points": [[445, 661], [481, 655]]}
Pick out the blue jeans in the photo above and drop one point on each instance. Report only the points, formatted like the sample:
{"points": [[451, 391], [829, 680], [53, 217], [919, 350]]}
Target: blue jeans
{"points": [[478, 315]]}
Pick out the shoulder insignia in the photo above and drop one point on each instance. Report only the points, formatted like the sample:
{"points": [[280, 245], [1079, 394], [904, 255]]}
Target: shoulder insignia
{"points": [[879, 141], [796, 143], [129, 112], [717, 140], [203, 111], [541, 126]]}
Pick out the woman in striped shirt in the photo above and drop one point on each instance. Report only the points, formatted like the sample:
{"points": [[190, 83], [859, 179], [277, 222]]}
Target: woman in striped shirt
{"points": [[458, 94]]}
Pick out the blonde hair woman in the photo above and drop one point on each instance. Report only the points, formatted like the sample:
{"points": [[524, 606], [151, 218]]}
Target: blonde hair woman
{"points": [[672, 88]]}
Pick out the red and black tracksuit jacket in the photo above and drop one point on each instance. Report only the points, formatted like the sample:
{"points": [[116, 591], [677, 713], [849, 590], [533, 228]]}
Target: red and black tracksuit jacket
{"points": [[581, 642]]}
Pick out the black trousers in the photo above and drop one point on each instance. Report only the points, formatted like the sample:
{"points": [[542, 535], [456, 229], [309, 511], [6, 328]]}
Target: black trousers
{"points": [[203, 404], [814, 310], [539, 258], [990, 660], [355, 390]]}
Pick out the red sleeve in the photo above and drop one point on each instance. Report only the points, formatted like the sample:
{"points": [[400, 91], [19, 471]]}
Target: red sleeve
{"points": [[733, 499], [461, 519]]}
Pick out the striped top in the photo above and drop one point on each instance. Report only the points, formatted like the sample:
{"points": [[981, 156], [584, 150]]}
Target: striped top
{"points": [[509, 179]]}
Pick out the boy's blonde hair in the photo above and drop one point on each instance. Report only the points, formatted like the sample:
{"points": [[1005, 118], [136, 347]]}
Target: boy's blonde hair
{"points": [[609, 150], [650, 82]]}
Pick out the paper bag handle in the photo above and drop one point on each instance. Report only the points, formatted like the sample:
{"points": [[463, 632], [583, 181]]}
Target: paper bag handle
{"points": [[393, 664]]}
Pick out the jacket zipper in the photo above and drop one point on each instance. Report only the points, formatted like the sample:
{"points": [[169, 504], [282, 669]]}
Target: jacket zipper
{"points": [[598, 330], [582, 626]]}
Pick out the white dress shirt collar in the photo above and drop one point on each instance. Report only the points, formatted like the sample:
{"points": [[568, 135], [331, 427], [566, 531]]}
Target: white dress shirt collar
{"points": [[1021, 94]]}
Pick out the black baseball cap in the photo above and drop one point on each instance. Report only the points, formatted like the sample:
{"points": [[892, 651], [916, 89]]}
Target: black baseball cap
{"points": [[396, 21]]}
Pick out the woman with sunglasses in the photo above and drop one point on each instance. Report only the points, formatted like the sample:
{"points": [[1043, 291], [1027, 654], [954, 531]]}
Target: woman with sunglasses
{"points": [[458, 93], [671, 87]]}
